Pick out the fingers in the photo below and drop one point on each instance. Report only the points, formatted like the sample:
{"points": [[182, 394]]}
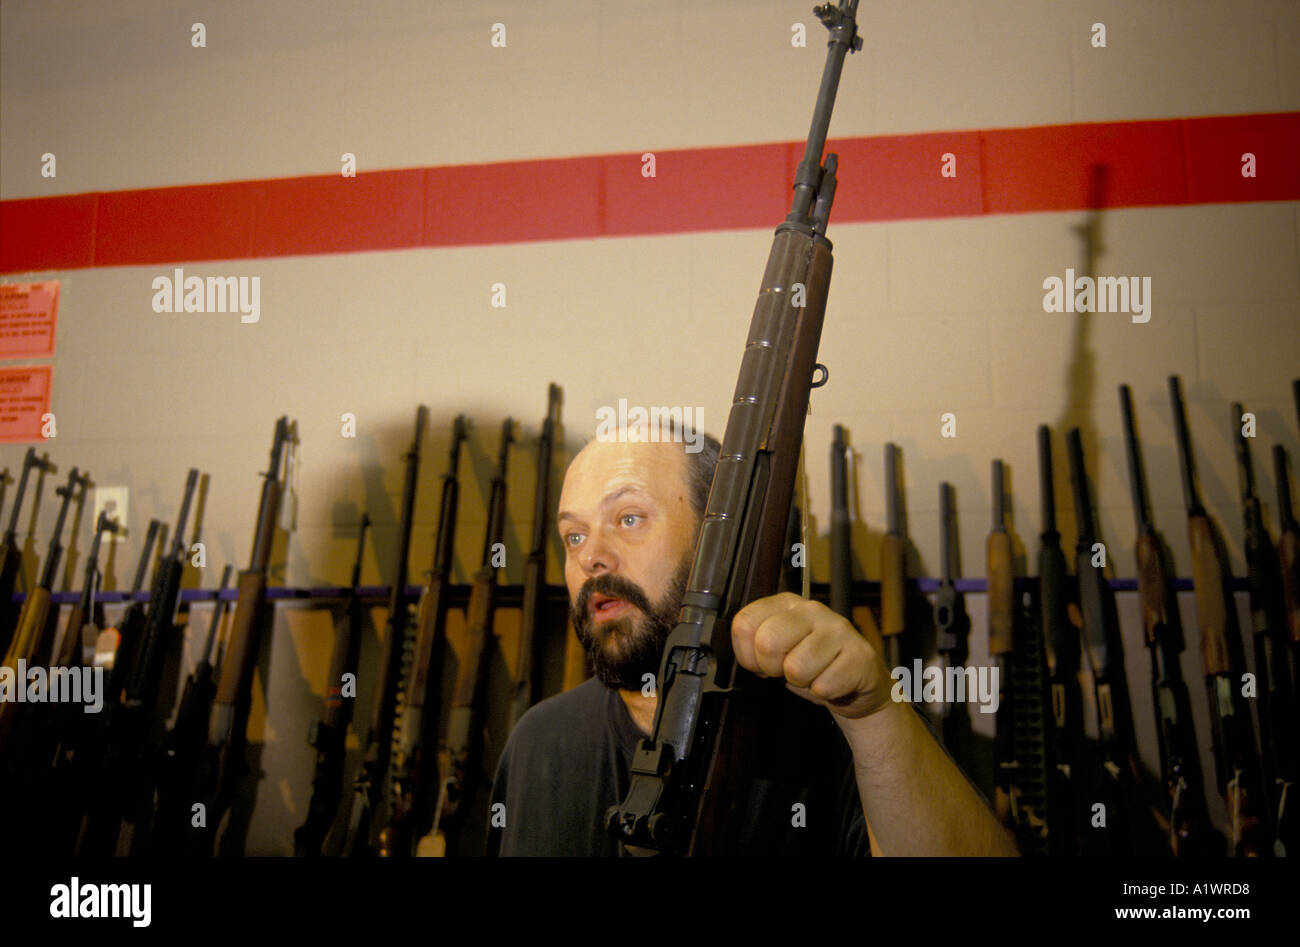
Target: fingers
{"points": [[747, 621], [790, 637]]}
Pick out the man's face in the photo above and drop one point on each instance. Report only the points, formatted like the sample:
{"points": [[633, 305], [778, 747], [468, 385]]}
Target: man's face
{"points": [[629, 531]]}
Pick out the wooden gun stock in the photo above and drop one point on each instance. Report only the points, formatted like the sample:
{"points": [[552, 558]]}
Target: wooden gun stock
{"points": [[1211, 602], [235, 686], [1153, 586]]}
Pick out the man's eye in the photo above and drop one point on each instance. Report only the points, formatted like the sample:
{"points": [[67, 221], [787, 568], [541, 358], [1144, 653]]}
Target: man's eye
{"points": [[573, 539], [630, 519]]}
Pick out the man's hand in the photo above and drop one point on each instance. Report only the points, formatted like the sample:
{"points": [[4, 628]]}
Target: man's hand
{"points": [[819, 654]]}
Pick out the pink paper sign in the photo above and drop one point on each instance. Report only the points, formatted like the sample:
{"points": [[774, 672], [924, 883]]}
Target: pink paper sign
{"points": [[28, 314], [24, 398]]}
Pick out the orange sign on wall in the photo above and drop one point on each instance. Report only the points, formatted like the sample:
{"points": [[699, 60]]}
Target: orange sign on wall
{"points": [[24, 398], [28, 316]]}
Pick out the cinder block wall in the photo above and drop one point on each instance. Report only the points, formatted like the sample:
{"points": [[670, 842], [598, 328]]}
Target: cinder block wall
{"points": [[925, 316]]}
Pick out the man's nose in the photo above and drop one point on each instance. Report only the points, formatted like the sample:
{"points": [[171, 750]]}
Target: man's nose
{"points": [[598, 554]]}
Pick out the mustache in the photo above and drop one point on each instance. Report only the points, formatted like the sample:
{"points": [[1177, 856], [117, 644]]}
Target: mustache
{"points": [[615, 586]]}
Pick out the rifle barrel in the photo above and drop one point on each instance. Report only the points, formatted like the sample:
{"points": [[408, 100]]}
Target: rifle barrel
{"points": [[1191, 497], [1136, 475]]}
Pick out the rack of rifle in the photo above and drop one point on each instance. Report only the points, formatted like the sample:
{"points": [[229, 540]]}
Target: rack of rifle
{"points": [[138, 778]]}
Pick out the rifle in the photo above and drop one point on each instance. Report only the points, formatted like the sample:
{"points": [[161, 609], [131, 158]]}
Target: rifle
{"points": [[1179, 758], [461, 757], [32, 620], [680, 795], [1236, 764], [131, 625], [1274, 708], [950, 619], [328, 736], [1288, 555], [45, 638], [893, 567], [369, 817], [841, 526], [527, 675], [183, 745], [87, 611], [223, 764], [1002, 621], [414, 777], [125, 790], [1106, 659], [1061, 647], [11, 553]]}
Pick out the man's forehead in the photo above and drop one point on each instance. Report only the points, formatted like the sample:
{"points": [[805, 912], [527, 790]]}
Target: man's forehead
{"points": [[604, 467]]}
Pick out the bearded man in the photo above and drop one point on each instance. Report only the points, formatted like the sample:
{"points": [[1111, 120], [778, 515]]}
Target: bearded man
{"points": [[844, 771]]}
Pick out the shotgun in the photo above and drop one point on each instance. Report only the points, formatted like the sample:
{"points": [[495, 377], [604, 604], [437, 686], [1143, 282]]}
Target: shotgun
{"points": [[1274, 708], [1180, 765], [1002, 620], [1105, 655], [1061, 648], [1236, 763]]}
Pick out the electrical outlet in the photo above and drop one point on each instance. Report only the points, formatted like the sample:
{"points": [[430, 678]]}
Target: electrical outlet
{"points": [[112, 499]]}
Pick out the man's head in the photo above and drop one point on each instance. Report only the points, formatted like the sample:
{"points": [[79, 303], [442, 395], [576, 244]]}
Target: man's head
{"points": [[629, 515]]}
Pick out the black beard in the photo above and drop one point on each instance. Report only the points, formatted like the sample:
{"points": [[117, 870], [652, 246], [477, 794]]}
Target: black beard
{"points": [[624, 650]]}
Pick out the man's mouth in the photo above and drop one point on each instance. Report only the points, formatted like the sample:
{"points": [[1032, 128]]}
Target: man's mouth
{"points": [[604, 608]]}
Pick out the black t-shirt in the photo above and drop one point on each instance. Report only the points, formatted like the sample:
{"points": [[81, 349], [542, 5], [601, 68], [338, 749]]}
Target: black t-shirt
{"points": [[568, 758]]}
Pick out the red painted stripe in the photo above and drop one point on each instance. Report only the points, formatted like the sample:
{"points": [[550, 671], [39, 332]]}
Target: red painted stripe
{"points": [[895, 177]]}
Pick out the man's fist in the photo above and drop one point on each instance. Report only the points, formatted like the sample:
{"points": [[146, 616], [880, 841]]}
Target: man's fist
{"points": [[819, 654]]}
